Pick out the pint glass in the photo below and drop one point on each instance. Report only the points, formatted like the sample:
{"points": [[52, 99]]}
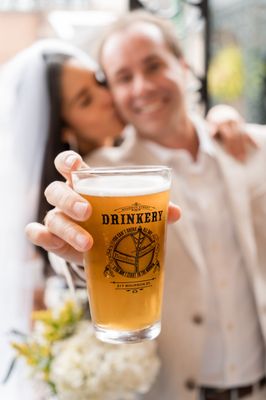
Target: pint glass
{"points": [[125, 267]]}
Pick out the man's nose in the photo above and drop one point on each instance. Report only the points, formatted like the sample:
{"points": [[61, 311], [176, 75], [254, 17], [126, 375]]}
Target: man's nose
{"points": [[141, 85]]}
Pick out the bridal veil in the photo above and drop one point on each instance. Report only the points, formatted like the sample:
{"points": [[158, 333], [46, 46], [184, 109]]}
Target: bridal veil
{"points": [[24, 120]]}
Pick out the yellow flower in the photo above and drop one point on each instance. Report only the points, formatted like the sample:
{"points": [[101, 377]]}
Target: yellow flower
{"points": [[59, 324], [56, 325]]}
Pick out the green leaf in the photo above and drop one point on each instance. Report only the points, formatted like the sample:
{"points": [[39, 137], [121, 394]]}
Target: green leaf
{"points": [[10, 370]]}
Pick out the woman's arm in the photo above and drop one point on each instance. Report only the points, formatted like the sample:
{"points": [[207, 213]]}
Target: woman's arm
{"points": [[228, 126], [60, 234]]}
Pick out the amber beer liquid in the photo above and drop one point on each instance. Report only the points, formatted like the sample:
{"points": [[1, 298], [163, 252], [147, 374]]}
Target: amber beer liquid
{"points": [[125, 267]]}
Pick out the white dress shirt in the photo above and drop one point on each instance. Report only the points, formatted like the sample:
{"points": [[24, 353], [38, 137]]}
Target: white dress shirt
{"points": [[233, 353]]}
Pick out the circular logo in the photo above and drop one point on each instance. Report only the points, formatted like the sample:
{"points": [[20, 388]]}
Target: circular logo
{"points": [[133, 253]]}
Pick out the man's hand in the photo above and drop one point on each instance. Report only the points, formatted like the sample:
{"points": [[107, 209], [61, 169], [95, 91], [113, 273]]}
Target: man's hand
{"points": [[60, 233]]}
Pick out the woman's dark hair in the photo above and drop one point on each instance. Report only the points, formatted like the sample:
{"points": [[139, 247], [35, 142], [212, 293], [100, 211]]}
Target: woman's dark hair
{"points": [[54, 144]]}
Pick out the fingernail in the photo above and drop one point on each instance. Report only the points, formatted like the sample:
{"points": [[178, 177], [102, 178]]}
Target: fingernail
{"points": [[70, 160], [82, 241], [80, 208]]}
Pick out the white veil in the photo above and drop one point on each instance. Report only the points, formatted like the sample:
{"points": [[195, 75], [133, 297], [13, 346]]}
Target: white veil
{"points": [[24, 119]]}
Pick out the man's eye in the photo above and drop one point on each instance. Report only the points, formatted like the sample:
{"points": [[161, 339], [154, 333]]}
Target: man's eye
{"points": [[123, 78], [153, 67]]}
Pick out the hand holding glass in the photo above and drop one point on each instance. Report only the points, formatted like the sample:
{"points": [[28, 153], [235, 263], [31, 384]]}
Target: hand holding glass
{"points": [[125, 267]]}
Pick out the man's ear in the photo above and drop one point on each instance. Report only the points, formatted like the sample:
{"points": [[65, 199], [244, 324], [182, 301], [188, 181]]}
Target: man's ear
{"points": [[69, 136]]}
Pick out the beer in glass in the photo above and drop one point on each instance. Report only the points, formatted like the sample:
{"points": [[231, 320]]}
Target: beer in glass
{"points": [[125, 267]]}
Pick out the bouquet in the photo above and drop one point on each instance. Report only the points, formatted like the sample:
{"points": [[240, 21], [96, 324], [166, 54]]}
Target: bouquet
{"points": [[64, 353]]}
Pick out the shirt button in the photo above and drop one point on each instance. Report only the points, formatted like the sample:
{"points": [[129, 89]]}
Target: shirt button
{"points": [[190, 384], [197, 319]]}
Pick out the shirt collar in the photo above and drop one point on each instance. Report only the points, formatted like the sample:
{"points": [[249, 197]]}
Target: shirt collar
{"points": [[206, 145], [205, 141]]}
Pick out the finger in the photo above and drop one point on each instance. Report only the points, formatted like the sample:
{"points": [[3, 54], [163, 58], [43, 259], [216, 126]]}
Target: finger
{"points": [[250, 141], [232, 140], [213, 130], [246, 142], [40, 236], [236, 146], [236, 139], [241, 142], [236, 150], [174, 213], [68, 161], [60, 195], [223, 113], [66, 229]]}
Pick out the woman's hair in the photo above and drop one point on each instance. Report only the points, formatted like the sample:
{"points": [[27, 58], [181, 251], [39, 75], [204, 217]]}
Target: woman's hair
{"points": [[31, 138], [54, 143]]}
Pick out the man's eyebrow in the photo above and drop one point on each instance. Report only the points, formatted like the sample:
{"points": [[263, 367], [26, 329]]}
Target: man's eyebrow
{"points": [[78, 96], [150, 58], [121, 71], [146, 60]]}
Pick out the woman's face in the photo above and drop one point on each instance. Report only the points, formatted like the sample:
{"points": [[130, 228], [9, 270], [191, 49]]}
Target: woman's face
{"points": [[87, 107]]}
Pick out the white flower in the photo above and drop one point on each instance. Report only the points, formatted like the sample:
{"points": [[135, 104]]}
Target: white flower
{"points": [[85, 368]]}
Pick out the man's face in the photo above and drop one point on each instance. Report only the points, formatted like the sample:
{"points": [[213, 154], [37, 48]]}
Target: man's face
{"points": [[146, 79]]}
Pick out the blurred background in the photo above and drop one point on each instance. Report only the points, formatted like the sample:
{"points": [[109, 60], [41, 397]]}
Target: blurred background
{"points": [[223, 40]]}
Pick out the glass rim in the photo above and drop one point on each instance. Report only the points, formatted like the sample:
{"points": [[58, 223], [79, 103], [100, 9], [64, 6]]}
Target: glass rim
{"points": [[127, 170]]}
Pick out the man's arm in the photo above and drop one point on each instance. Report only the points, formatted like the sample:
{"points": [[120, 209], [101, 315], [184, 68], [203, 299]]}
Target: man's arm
{"points": [[60, 234]]}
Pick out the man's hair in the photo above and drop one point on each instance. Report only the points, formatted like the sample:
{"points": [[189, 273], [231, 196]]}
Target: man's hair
{"points": [[125, 21]]}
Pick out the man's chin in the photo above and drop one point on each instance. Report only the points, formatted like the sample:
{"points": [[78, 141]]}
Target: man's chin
{"points": [[151, 133]]}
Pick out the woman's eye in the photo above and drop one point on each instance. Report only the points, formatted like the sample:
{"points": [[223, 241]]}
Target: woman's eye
{"points": [[85, 102]]}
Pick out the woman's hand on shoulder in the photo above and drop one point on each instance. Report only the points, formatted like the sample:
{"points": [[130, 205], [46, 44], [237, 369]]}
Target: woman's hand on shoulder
{"points": [[228, 126]]}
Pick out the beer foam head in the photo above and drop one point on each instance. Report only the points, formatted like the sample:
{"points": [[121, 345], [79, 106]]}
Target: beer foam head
{"points": [[122, 185]]}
